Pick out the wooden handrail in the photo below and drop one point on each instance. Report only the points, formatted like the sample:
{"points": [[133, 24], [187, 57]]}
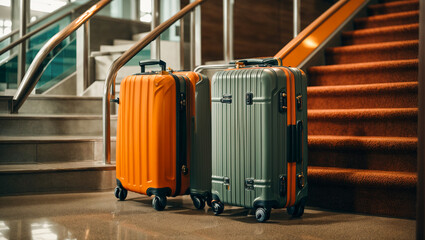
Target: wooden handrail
{"points": [[35, 70], [299, 48]]}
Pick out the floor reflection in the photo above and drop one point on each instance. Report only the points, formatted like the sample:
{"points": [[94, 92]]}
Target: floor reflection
{"points": [[40, 229], [43, 229]]}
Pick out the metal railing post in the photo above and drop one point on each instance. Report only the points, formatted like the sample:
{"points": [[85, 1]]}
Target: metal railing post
{"points": [[196, 38], [83, 58], [22, 47], [228, 30], [156, 44], [182, 43], [297, 17]]}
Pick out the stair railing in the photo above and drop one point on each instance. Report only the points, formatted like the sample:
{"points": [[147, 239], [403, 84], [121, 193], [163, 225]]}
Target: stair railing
{"points": [[32, 33], [109, 87], [316, 35], [36, 68]]}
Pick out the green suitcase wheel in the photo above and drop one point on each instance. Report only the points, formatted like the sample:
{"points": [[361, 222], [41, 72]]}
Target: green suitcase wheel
{"points": [[217, 207], [198, 202], [262, 214]]}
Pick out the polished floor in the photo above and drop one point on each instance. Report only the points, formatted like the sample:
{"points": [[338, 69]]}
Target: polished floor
{"points": [[100, 216]]}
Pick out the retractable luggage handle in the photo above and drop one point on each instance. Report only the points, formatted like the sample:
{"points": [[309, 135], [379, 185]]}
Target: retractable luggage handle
{"points": [[260, 62], [246, 62], [144, 63]]}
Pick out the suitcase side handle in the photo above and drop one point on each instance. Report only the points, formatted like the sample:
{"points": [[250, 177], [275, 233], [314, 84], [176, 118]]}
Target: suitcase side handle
{"points": [[299, 141], [144, 63]]}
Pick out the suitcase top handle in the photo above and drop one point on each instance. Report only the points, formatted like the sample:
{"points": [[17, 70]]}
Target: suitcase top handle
{"points": [[143, 63]]}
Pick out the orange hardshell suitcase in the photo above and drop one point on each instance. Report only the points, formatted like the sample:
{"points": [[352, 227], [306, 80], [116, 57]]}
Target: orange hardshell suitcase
{"points": [[153, 134]]}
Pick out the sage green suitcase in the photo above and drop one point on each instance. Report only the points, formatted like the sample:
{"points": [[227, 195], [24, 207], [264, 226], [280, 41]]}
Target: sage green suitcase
{"points": [[259, 139]]}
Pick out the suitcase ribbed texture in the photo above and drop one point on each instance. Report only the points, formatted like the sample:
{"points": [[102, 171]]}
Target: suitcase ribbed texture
{"points": [[249, 141], [143, 131]]}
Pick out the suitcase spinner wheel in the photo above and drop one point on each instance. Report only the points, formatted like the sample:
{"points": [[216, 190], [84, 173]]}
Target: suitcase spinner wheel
{"points": [[262, 214], [159, 203], [217, 207], [198, 201], [297, 210], [120, 193]]}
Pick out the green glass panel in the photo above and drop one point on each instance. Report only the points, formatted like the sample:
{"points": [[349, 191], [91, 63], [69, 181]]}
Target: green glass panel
{"points": [[61, 65]]}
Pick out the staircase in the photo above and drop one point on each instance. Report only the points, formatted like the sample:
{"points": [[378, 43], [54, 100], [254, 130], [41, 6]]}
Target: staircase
{"points": [[363, 116], [54, 144]]}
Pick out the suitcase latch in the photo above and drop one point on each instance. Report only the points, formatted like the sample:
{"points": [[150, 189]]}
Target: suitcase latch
{"points": [[299, 100], [282, 185], [185, 170], [182, 101], [227, 98], [301, 181], [249, 97], [226, 182], [249, 184], [283, 105]]}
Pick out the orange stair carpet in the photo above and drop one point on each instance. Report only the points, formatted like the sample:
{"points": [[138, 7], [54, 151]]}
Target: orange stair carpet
{"points": [[363, 116]]}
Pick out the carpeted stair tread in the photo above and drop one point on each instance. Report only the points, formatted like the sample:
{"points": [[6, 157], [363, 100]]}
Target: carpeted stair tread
{"points": [[393, 7], [352, 114], [388, 193], [374, 153], [362, 113], [363, 178], [385, 20], [373, 52], [362, 73], [380, 95], [400, 122], [381, 34], [362, 143]]}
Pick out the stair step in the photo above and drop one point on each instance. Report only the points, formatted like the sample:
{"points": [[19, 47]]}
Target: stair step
{"points": [[5, 103], [380, 95], [50, 149], [400, 122], [42, 104], [138, 36], [389, 193], [123, 41], [386, 20], [393, 7], [373, 153], [50, 125], [374, 52], [103, 63], [115, 48], [382, 34], [83, 176], [364, 73]]}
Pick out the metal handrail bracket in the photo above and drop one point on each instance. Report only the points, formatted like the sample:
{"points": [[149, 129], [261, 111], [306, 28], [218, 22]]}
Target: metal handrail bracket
{"points": [[119, 62], [36, 68]]}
